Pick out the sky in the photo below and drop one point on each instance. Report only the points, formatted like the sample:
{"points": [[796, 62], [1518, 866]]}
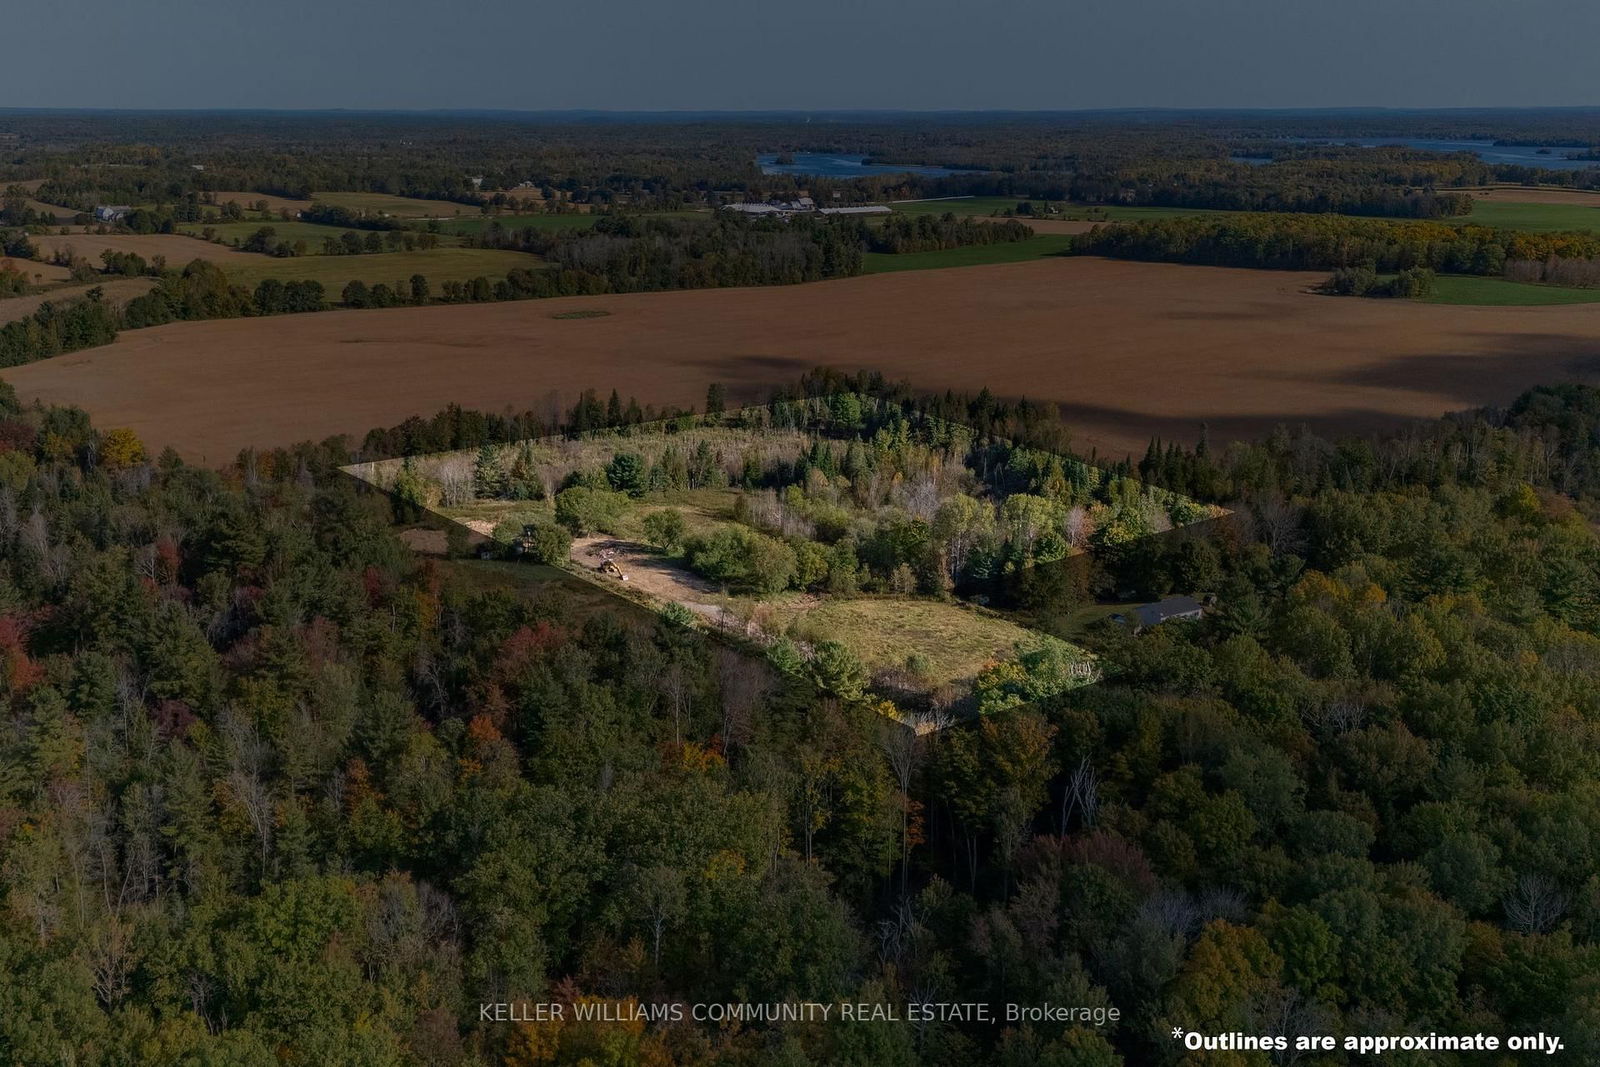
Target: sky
{"points": [[822, 54]]}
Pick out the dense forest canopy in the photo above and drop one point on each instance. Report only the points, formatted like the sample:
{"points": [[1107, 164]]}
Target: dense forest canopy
{"points": [[280, 791]]}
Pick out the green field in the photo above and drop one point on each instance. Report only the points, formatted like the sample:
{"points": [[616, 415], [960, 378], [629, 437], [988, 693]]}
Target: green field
{"points": [[999, 205], [404, 207], [311, 233], [438, 265], [965, 205], [1048, 244], [1498, 292], [477, 224], [1537, 218]]}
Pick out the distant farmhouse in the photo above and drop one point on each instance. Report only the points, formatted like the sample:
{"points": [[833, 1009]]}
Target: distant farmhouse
{"points": [[112, 212], [803, 205]]}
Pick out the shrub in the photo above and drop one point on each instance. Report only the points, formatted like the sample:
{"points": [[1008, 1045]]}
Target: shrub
{"points": [[743, 559], [547, 543], [665, 529], [838, 670], [675, 614], [811, 564], [583, 510], [783, 655], [1351, 281]]}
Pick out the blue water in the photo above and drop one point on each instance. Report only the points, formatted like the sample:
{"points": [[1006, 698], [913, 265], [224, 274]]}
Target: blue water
{"points": [[825, 165], [1488, 151]]}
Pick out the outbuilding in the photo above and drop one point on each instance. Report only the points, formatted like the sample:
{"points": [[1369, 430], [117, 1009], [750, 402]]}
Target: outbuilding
{"points": [[1169, 609]]}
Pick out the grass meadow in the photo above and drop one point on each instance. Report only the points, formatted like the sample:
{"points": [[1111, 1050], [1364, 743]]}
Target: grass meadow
{"points": [[1498, 292], [334, 272], [970, 256], [1536, 218]]}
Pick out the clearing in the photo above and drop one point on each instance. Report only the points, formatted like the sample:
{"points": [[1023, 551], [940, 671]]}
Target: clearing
{"points": [[771, 545], [1128, 350]]}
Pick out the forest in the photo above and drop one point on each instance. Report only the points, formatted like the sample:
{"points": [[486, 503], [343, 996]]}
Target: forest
{"points": [[1224, 160], [1313, 242], [279, 790]]}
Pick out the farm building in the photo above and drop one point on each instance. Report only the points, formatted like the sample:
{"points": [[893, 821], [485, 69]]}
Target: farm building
{"points": [[864, 209], [1170, 609], [112, 212], [774, 207]]}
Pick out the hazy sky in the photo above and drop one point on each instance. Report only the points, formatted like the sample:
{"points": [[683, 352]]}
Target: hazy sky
{"points": [[822, 54]]}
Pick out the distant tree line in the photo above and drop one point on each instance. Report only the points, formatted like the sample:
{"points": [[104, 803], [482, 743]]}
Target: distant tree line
{"points": [[333, 215], [929, 233], [266, 241], [1323, 242]]}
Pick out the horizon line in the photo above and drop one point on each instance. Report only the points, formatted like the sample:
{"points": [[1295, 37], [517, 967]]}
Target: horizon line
{"points": [[801, 111]]}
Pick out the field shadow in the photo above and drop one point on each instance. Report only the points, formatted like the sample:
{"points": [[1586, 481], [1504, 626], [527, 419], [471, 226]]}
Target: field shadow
{"points": [[1094, 428], [1516, 362]]}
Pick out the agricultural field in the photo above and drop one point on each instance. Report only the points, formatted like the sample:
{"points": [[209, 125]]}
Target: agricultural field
{"points": [[1535, 217], [438, 265], [1127, 350], [999, 205], [39, 274], [55, 211], [176, 248], [247, 200], [478, 223], [968, 256], [811, 524], [313, 234], [117, 290], [1500, 292], [402, 207]]}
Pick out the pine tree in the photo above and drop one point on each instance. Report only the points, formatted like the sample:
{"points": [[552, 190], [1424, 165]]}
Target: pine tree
{"points": [[488, 476], [716, 400]]}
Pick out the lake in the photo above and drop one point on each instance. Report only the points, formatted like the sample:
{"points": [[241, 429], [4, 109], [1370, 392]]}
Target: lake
{"points": [[1488, 151], [828, 165]]}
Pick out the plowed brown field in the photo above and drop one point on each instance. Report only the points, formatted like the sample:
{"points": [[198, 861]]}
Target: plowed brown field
{"points": [[1127, 349], [1522, 194], [274, 203], [117, 290], [177, 248]]}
